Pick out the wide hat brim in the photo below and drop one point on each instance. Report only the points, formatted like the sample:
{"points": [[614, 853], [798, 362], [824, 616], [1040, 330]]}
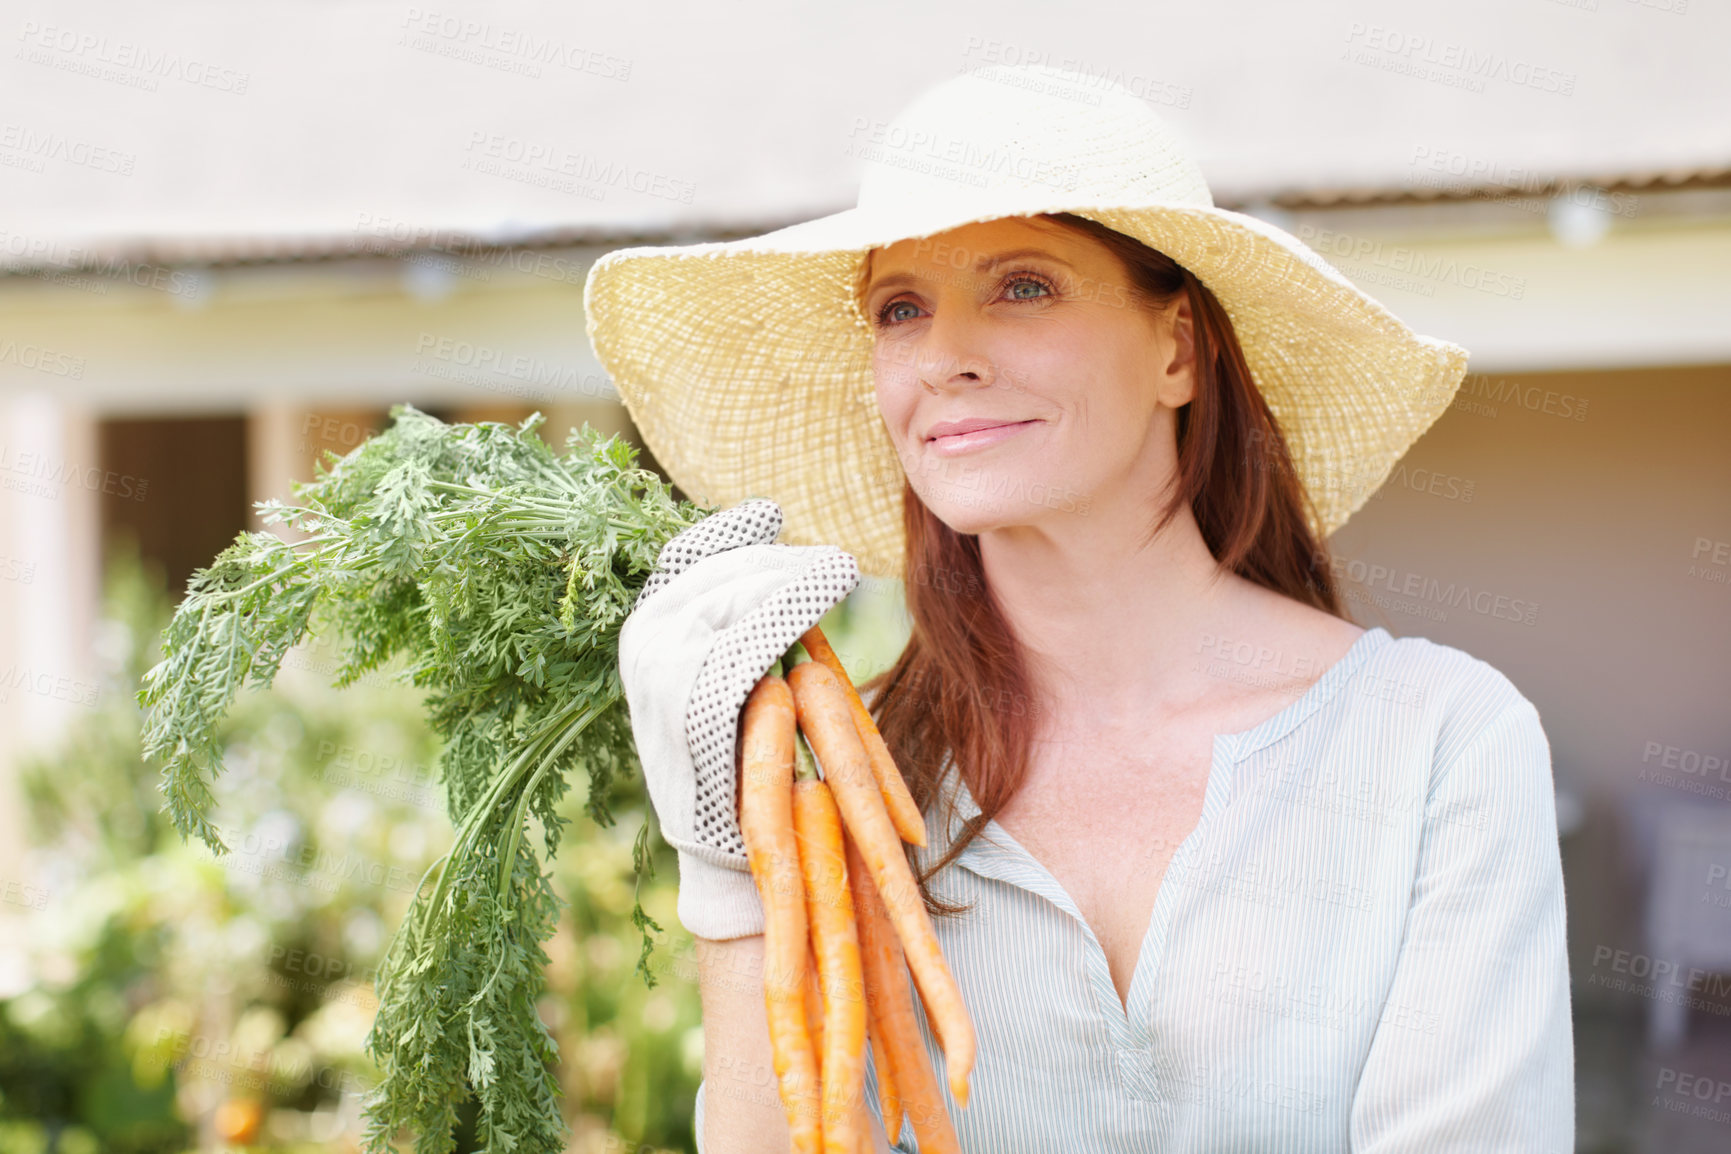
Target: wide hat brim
{"points": [[747, 368]]}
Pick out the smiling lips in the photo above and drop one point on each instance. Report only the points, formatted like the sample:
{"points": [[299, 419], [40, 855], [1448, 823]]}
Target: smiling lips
{"points": [[952, 437]]}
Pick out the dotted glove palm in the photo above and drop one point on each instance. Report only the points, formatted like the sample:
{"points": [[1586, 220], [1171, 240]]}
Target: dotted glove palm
{"points": [[723, 604]]}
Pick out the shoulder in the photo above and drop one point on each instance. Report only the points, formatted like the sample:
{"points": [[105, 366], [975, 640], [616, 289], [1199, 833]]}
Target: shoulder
{"points": [[1467, 702], [1453, 679]]}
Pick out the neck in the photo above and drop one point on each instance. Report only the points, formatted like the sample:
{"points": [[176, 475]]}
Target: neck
{"points": [[1109, 624]]}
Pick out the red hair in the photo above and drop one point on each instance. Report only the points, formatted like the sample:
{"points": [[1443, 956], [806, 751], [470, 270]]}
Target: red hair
{"points": [[961, 684]]}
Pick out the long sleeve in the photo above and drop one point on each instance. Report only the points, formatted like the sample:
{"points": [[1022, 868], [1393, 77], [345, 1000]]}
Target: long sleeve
{"points": [[1474, 1051]]}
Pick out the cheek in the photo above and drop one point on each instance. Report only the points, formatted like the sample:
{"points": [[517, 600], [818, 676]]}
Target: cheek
{"points": [[897, 394], [1117, 399]]}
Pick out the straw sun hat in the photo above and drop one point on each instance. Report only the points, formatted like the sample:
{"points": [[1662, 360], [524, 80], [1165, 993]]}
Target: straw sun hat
{"points": [[746, 364]]}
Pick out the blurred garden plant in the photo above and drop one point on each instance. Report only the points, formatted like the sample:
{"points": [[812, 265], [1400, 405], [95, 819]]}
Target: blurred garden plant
{"points": [[175, 1000]]}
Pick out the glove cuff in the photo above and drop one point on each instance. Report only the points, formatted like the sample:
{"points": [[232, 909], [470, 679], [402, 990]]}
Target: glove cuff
{"points": [[717, 902]]}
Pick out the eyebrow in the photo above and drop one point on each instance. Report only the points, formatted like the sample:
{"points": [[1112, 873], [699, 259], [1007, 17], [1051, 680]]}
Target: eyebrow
{"points": [[985, 262]]}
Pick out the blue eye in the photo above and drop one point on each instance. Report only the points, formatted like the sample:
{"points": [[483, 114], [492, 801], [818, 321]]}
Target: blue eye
{"points": [[884, 314], [1013, 283]]}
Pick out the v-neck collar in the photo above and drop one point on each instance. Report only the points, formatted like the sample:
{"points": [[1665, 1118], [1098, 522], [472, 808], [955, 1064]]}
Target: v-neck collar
{"points": [[1239, 745], [996, 854]]}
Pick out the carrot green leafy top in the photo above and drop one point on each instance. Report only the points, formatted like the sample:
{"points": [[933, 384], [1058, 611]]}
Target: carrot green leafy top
{"points": [[500, 572]]}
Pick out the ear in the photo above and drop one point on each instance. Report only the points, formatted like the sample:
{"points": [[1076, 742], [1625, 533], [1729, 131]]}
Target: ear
{"points": [[1176, 385]]}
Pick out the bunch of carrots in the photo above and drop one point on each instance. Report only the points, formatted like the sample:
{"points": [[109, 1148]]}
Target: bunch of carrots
{"points": [[844, 922]]}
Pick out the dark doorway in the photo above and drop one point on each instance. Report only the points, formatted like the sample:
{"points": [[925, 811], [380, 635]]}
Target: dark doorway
{"points": [[186, 495]]}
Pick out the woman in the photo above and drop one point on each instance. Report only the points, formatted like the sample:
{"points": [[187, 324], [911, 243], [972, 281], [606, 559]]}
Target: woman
{"points": [[1219, 869]]}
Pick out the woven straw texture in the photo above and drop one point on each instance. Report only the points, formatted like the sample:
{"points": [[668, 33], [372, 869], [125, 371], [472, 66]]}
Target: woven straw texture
{"points": [[746, 364]]}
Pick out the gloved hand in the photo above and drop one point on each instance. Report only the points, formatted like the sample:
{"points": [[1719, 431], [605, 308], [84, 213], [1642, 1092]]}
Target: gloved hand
{"points": [[723, 604]]}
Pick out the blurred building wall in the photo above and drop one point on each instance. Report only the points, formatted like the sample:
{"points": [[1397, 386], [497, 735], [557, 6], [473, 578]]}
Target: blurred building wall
{"points": [[51, 481]]}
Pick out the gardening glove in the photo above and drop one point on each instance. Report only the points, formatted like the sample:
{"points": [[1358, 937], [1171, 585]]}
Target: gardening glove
{"points": [[722, 606]]}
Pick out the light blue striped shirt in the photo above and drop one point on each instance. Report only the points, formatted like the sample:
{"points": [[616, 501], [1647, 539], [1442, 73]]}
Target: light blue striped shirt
{"points": [[1360, 946]]}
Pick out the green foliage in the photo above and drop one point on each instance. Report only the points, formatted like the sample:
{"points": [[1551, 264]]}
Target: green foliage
{"points": [[61, 1057], [159, 983], [496, 573]]}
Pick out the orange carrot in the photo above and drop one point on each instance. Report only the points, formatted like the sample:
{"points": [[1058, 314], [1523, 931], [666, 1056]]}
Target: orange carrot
{"points": [[766, 824], [814, 1026], [823, 717], [900, 803], [813, 999], [889, 1098], [829, 910], [892, 1007], [874, 931]]}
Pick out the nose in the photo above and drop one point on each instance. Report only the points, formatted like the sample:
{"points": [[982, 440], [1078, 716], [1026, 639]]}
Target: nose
{"points": [[952, 352]]}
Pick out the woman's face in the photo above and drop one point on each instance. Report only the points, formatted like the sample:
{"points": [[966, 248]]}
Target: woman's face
{"points": [[1020, 380]]}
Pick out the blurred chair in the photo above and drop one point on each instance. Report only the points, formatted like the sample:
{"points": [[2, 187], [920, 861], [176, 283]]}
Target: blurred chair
{"points": [[1688, 912]]}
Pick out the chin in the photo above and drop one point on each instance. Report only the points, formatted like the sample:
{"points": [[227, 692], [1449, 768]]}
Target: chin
{"points": [[990, 501], [969, 520]]}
